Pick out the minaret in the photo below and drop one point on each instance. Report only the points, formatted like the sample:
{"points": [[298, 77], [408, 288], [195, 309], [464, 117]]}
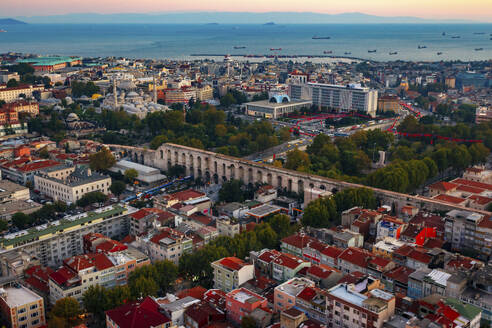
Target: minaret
{"points": [[114, 93], [155, 91]]}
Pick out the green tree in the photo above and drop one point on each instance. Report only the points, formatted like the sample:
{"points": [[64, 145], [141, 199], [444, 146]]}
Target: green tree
{"points": [[92, 198], [95, 301], [67, 310], [227, 100], [351, 197], [167, 272], [117, 187], [231, 191], [158, 141], [460, 158], [21, 220], [479, 153], [131, 175], [297, 160], [280, 223], [432, 166], [320, 213], [143, 286], [102, 160], [12, 83], [3, 225]]}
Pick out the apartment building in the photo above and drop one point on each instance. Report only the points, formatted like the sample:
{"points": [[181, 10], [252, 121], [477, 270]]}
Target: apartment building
{"points": [[243, 302], [13, 94], [228, 227], [52, 242], [24, 106], [21, 307], [146, 218], [278, 265], [284, 295], [145, 313], [347, 307], [80, 272], [57, 184], [469, 230], [21, 170], [166, 244], [231, 272]]}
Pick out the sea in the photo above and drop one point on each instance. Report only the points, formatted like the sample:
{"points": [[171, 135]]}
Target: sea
{"points": [[464, 42]]}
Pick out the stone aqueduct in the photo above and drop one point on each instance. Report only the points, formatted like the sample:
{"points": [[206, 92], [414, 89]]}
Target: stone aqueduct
{"points": [[217, 167]]}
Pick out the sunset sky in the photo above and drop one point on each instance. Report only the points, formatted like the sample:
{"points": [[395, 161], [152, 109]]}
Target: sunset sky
{"points": [[439, 9]]}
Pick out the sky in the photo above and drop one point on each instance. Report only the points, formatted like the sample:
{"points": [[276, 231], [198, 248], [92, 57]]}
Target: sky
{"points": [[439, 9]]}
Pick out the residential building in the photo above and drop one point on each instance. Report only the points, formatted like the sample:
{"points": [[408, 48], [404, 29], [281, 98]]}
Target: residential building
{"points": [[312, 301], [166, 244], [231, 272], [292, 318], [10, 191], [138, 314], [469, 230], [147, 218], [13, 94], [349, 308], [13, 264], [58, 185], [57, 240], [175, 308], [23, 106], [278, 265], [80, 272], [6, 76], [21, 307], [483, 114], [201, 315], [228, 227], [21, 170], [243, 302], [285, 294]]}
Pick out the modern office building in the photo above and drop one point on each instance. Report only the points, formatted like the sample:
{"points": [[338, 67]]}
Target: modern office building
{"points": [[275, 108]]}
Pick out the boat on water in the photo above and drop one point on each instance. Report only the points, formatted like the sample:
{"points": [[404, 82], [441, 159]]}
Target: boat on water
{"points": [[371, 51], [348, 53], [393, 53], [455, 37], [479, 33], [321, 37], [275, 49], [422, 47], [478, 49], [239, 47], [3, 31], [439, 53], [443, 33], [327, 52]]}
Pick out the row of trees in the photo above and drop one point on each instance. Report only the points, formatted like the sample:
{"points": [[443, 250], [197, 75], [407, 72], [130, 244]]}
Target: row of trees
{"points": [[44, 214]]}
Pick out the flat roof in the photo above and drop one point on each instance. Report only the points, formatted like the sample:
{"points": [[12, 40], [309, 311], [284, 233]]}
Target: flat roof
{"points": [[18, 296], [268, 104], [341, 291], [34, 233], [8, 187], [264, 210], [132, 165]]}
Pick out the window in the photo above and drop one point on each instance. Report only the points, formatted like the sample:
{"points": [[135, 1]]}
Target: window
{"points": [[34, 306], [21, 310], [34, 315], [22, 318], [35, 322]]}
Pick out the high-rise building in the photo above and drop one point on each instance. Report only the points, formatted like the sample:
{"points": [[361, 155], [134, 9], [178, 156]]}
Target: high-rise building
{"points": [[352, 97]]}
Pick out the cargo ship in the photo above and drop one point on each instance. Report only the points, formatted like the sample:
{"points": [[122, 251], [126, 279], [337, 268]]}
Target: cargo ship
{"points": [[327, 52], [439, 53], [321, 37], [478, 49], [455, 37], [239, 47], [348, 53], [371, 51], [275, 49], [422, 47], [393, 53]]}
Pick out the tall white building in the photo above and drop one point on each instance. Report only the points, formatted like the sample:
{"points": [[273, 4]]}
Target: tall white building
{"points": [[352, 97]]}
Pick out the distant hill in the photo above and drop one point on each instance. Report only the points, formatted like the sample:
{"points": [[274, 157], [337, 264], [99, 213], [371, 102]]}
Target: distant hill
{"points": [[11, 21], [231, 18]]}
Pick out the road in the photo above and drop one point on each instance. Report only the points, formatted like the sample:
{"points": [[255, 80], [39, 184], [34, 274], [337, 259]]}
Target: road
{"points": [[281, 149]]}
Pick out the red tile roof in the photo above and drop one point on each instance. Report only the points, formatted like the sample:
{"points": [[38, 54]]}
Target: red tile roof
{"points": [[320, 271], [288, 261], [443, 186], [232, 263], [144, 314], [215, 297], [449, 199], [473, 190], [356, 256], [298, 240], [62, 275], [111, 246], [481, 200], [470, 183], [81, 262], [307, 294], [399, 273], [195, 292], [187, 195]]}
